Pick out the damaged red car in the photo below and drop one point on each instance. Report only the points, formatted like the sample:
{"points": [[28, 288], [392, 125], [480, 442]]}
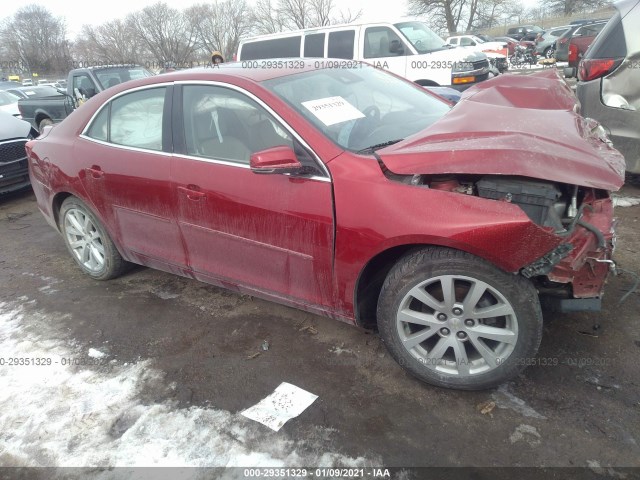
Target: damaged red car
{"points": [[351, 193]]}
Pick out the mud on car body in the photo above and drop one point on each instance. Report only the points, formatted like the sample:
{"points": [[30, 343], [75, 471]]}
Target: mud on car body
{"points": [[353, 194]]}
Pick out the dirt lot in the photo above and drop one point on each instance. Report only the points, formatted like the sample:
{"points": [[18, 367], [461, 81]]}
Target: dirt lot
{"points": [[177, 364]]}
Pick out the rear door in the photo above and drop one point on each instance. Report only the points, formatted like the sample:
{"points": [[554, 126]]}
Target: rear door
{"points": [[127, 175], [269, 233]]}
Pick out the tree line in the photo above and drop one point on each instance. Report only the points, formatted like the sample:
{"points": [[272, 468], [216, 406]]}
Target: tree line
{"points": [[34, 40]]}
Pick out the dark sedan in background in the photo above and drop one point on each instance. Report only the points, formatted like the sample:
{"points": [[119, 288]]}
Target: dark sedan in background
{"points": [[14, 133]]}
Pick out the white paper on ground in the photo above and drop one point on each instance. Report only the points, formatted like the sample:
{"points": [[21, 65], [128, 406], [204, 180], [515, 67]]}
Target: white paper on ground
{"points": [[332, 110], [285, 403]]}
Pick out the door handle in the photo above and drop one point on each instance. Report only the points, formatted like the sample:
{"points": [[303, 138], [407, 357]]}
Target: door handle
{"points": [[95, 172], [191, 193]]}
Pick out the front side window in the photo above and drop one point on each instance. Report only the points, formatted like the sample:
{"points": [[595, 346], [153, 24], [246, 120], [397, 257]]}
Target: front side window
{"points": [[466, 42], [132, 120], [341, 44], [221, 123], [380, 42], [84, 86], [360, 108]]}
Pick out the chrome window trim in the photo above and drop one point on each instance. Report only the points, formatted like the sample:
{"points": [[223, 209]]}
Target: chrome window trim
{"points": [[124, 147], [284, 124], [231, 163]]}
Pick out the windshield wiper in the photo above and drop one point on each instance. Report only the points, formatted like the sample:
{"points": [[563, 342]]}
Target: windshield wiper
{"points": [[373, 148]]}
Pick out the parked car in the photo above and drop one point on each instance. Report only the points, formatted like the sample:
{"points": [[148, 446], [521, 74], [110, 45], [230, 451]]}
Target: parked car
{"points": [[83, 83], [363, 197], [495, 51], [39, 91], [609, 76], [409, 49], [9, 84], [562, 44], [511, 43], [524, 32], [546, 42], [14, 172], [579, 42], [27, 82], [9, 103]]}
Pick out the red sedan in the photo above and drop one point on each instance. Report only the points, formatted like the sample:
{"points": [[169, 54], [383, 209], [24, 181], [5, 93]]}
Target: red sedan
{"points": [[351, 193]]}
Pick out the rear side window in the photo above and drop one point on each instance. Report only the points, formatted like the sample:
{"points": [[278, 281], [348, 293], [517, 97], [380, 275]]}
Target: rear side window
{"points": [[590, 30], [132, 120], [99, 127], [341, 44], [314, 45], [557, 33], [611, 41], [274, 48]]}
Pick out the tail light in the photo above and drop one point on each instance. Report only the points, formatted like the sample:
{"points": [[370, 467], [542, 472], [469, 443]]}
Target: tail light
{"points": [[573, 53], [592, 68]]}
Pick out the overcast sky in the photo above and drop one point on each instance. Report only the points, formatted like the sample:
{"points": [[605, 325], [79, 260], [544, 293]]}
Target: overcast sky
{"points": [[77, 13]]}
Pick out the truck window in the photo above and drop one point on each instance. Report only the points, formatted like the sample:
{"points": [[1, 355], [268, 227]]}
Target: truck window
{"points": [[466, 42], [382, 42], [314, 45], [341, 44], [275, 48], [85, 85]]}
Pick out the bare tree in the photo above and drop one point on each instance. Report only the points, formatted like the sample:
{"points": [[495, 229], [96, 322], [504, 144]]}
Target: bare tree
{"points": [[111, 42], [265, 18], [569, 7], [166, 32], [36, 39], [220, 25], [298, 14]]}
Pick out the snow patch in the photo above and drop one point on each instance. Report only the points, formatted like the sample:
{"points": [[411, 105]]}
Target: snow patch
{"points": [[53, 414], [625, 201], [505, 399], [93, 353]]}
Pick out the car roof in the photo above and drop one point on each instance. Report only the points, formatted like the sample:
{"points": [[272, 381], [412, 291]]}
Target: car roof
{"points": [[255, 70]]}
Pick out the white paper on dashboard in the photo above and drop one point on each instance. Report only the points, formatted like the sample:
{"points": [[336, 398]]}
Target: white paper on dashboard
{"points": [[332, 110], [285, 403]]}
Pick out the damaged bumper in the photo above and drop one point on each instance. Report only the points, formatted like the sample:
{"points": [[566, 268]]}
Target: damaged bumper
{"points": [[572, 276]]}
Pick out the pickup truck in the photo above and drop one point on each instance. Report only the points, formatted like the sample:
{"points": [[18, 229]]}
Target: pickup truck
{"points": [[82, 84]]}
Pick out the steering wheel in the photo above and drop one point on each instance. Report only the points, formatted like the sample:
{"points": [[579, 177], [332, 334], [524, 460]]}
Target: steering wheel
{"points": [[359, 130], [417, 44]]}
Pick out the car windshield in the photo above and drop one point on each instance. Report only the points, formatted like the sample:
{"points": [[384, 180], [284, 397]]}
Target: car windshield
{"points": [[7, 98], [360, 108], [109, 77], [421, 37]]}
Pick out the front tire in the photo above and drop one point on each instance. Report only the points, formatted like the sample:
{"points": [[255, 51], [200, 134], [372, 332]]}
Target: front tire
{"points": [[453, 320], [88, 242]]}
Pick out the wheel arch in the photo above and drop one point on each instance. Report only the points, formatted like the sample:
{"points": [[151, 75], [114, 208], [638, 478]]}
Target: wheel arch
{"points": [[56, 205], [427, 83], [373, 274]]}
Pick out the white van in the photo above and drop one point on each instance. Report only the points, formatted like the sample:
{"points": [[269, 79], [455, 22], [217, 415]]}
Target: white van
{"points": [[409, 49]]}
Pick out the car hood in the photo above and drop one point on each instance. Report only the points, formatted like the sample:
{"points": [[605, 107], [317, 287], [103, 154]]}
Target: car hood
{"points": [[513, 125], [11, 127]]}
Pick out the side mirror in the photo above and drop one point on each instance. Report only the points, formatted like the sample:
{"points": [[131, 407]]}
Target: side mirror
{"points": [[275, 160]]}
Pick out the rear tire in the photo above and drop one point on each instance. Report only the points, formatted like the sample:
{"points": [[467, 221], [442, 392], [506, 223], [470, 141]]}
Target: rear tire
{"points": [[453, 320], [88, 242]]}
